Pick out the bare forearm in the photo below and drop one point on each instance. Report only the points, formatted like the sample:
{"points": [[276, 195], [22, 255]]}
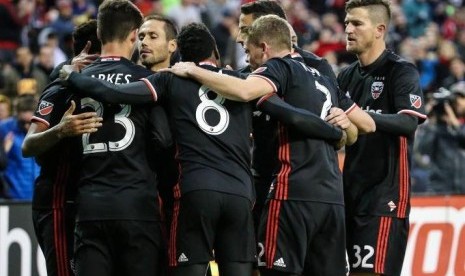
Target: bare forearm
{"points": [[352, 134], [36, 144], [362, 121], [232, 88]]}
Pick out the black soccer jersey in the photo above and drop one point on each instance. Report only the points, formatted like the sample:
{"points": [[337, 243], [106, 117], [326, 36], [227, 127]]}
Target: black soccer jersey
{"points": [[56, 183], [265, 162], [376, 169], [308, 168], [322, 65], [117, 181], [212, 135]]}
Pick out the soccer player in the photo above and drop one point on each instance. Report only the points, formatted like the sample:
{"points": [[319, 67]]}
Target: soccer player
{"points": [[303, 221], [54, 139], [157, 46], [118, 228], [265, 143], [377, 167]]}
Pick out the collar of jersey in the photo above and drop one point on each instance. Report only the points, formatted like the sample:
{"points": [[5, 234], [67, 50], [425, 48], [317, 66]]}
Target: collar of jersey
{"points": [[206, 62], [110, 58]]}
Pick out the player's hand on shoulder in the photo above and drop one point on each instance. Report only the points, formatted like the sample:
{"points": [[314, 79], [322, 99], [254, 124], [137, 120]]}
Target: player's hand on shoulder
{"points": [[73, 125], [182, 69], [84, 58], [66, 70], [338, 118]]}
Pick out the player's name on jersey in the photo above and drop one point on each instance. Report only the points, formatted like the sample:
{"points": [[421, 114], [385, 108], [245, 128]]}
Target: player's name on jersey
{"points": [[115, 78]]}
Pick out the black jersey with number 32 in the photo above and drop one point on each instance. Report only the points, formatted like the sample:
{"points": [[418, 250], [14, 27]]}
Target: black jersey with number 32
{"points": [[212, 135], [117, 181], [308, 167], [376, 169]]}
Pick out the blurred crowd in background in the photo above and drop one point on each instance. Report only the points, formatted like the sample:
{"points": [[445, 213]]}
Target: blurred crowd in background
{"points": [[36, 35]]}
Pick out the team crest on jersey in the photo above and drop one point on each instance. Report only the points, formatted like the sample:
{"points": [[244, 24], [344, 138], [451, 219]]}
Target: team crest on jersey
{"points": [[376, 89], [415, 100], [259, 70], [45, 108]]}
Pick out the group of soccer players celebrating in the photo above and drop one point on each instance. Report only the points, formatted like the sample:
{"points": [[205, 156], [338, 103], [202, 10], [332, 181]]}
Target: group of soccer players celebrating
{"points": [[256, 180]]}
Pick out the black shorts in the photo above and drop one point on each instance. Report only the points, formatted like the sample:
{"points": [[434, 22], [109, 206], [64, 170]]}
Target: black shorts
{"points": [[119, 247], [209, 225], [262, 188], [376, 244], [54, 231], [298, 236]]}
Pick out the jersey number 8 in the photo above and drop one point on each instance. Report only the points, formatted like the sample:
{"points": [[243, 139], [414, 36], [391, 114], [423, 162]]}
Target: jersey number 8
{"points": [[216, 105]]}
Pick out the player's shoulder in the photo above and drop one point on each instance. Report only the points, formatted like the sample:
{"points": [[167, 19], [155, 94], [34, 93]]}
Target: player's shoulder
{"points": [[308, 56], [347, 70], [54, 90], [398, 62]]}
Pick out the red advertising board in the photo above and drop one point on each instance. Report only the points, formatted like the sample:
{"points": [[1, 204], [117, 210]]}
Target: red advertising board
{"points": [[436, 245]]}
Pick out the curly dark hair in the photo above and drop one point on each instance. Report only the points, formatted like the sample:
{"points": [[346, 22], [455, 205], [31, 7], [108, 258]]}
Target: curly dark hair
{"points": [[195, 43]]}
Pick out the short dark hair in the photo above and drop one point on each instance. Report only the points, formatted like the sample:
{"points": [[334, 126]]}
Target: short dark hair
{"points": [[195, 42], [170, 28], [116, 19], [25, 103], [379, 9], [84, 32], [263, 7]]}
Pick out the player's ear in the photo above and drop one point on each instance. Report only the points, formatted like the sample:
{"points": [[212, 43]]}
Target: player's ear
{"points": [[133, 35], [380, 31], [172, 45], [264, 46]]}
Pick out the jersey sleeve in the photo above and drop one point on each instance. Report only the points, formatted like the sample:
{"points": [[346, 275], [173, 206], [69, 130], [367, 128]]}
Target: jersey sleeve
{"points": [[408, 97], [274, 72], [345, 103], [132, 93], [52, 103], [302, 120], [158, 84]]}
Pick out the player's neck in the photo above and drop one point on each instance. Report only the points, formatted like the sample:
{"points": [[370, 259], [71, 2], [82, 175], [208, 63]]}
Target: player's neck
{"points": [[370, 56], [280, 53], [116, 49], [161, 65]]}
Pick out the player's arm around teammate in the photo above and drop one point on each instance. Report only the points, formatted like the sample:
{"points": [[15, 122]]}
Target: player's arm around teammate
{"points": [[41, 138]]}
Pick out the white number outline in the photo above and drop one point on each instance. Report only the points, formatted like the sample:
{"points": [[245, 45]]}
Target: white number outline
{"points": [[120, 118], [207, 104], [260, 255], [363, 261], [328, 103]]}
